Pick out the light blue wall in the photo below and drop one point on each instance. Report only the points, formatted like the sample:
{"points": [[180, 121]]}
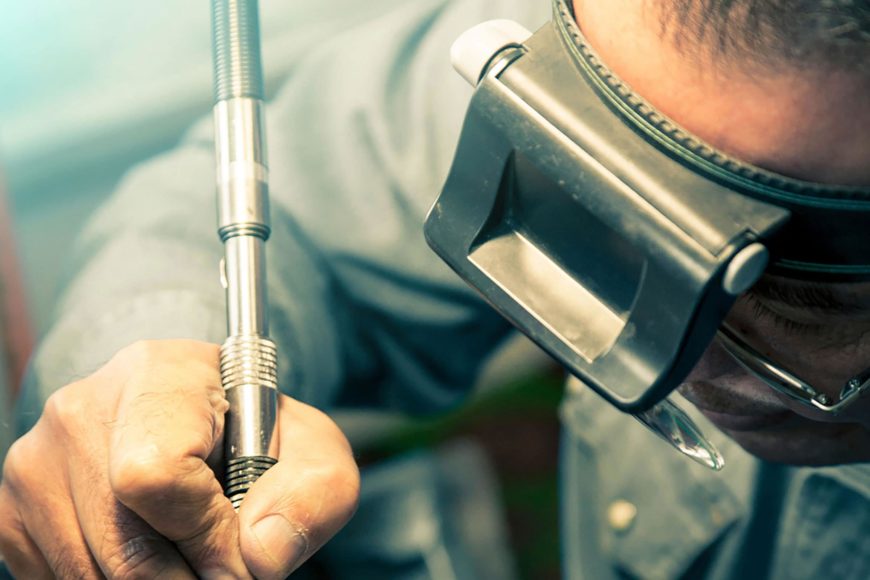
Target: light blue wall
{"points": [[92, 87], [89, 88]]}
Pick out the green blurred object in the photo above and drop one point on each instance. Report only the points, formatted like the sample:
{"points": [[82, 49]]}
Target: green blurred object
{"points": [[95, 87], [517, 425]]}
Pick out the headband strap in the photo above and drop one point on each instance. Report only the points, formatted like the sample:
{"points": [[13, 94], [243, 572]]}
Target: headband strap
{"points": [[828, 235]]}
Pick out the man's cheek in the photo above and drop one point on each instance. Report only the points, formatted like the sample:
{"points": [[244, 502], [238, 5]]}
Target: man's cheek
{"points": [[714, 363]]}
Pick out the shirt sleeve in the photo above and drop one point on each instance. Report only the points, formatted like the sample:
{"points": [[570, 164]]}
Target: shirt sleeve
{"points": [[363, 313]]}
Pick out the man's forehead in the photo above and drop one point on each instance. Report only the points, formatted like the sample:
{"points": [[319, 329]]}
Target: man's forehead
{"points": [[779, 120]]}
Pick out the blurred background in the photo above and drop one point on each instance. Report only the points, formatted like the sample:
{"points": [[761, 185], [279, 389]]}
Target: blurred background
{"points": [[92, 87]]}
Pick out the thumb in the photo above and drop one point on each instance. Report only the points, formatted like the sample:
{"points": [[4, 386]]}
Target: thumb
{"points": [[304, 499]]}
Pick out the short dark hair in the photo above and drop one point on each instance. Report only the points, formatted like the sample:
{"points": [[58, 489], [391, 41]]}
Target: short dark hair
{"points": [[813, 32]]}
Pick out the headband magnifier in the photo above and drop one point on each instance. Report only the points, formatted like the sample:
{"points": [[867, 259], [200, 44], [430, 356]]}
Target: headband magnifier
{"points": [[614, 255]]}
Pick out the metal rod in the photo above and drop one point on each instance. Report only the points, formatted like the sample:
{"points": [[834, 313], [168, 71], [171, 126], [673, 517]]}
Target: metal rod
{"points": [[248, 358]]}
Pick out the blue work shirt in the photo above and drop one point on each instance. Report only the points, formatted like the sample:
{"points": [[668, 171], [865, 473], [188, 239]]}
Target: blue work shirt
{"points": [[364, 314]]}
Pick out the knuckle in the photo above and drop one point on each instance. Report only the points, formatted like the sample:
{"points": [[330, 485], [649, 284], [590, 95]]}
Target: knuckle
{"points": [[7, 539], [20, 455], [328, 429], [63, 410], [140, 476], [7, 546], [68, 562], [134, 558], [205, 552], [12, 530], [322, 420], [343, 483], [140, 348], [207, 351], [352, 492], [137, 354], [15, 459]]}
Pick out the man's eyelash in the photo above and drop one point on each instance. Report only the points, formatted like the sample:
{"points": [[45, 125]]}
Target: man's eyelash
{"points": [[787, 324]]}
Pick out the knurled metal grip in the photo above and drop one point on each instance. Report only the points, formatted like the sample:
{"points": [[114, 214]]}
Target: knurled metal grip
{"points": [[249, 360], [249, 375], [238, 71], [241, 475]]}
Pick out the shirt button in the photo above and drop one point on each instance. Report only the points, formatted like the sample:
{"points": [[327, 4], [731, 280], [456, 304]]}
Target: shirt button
{"points": [[621, 515], [717, 517]]}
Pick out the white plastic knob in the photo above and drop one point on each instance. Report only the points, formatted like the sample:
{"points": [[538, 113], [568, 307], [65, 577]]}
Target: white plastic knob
{"points": [[745, 269], [472, 51]]}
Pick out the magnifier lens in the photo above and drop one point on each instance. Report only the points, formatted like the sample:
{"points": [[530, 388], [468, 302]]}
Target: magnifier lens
{"points": [[671, 423]]}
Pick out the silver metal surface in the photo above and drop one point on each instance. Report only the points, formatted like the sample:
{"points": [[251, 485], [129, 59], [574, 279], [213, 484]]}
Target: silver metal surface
{"points": [[249, 375], [570, 311], [242, 173], [248, 358], [247, 309], [255, 436]]}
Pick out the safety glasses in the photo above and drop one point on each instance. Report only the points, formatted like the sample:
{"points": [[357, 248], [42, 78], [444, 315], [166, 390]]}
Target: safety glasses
{"points": [[788, 384]]}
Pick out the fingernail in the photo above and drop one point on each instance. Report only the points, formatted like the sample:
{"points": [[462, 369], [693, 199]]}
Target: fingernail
{"points": [[281, 541]]}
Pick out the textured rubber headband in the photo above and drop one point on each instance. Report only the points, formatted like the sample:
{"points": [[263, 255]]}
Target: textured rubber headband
{"points": [[828, 235]]}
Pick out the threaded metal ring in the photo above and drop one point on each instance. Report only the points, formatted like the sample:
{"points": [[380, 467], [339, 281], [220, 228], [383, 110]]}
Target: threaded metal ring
{"points": [[242, 473], [258, 230], [238, 71], [249, 360]]}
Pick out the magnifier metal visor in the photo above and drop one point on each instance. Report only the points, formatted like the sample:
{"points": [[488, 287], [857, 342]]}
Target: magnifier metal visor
{"points": [[612, 255], [613, 239]]}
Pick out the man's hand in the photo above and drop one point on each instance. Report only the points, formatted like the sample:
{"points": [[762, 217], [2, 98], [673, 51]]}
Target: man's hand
{"points": [[118, 478]]}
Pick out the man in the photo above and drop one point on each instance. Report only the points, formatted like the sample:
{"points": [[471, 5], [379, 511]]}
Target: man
{"points": [[115, 476]]}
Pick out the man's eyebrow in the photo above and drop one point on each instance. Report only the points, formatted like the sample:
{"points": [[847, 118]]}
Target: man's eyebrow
{"points": [[809, 295]]}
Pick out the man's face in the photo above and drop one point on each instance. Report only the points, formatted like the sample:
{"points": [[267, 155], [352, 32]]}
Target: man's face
{"points": [[801, 123], [824, 345]]}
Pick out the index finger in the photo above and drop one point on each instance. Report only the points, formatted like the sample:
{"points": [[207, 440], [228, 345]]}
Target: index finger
{"points": [[169, 419]]}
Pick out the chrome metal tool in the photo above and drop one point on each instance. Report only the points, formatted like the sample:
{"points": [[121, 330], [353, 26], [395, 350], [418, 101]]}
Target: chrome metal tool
{"points": [[248, 358]]}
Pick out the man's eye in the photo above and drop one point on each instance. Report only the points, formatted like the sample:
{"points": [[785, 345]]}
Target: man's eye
{"points": [[792, 326]]}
